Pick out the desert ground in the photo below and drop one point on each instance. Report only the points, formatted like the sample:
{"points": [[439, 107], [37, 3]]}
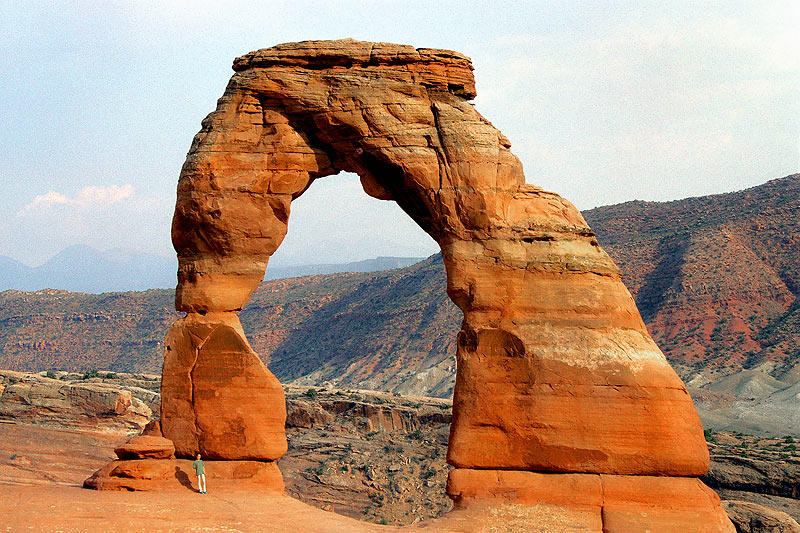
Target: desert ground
{"points": [[41, 490]]}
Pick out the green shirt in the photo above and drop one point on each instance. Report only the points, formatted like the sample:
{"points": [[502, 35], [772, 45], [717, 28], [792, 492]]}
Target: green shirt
{"points": [[199, 467]]}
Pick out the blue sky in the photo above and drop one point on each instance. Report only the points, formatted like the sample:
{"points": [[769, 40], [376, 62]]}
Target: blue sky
{"points": [[603, 102]]}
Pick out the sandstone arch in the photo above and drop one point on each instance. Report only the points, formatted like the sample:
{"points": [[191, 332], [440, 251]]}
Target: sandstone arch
{"points": [[562, 398]]}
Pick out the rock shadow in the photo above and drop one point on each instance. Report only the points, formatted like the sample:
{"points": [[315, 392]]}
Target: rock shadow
{"points": [[665, 275], [183, 479]]}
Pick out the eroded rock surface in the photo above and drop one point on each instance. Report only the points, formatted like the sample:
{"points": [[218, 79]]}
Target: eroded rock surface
{"points": [[178, 475], [779, 477], [71, 402], [218, 398], [751, 517], [556, 370]]}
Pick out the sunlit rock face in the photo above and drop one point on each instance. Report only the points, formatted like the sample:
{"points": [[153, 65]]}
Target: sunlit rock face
{"points": [[556, 371]]}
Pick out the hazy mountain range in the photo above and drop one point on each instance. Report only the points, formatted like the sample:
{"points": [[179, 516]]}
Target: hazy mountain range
{"points": [[81, 268]]}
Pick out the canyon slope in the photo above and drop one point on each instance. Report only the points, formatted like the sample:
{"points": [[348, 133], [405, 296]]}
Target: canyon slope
{"points": [[716, 279]]}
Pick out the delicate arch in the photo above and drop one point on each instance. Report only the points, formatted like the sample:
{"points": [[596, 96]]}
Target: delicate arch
{"points": [[556, 371]]}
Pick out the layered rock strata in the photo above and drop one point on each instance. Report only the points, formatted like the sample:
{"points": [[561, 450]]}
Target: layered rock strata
{"points": [[34, 399], [147, 462], [556, 371]]}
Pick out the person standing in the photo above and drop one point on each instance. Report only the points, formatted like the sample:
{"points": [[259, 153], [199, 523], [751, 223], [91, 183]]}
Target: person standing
{"points": [[200, 470]]}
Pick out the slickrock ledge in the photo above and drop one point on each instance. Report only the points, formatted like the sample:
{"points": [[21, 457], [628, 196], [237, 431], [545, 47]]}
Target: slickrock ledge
{"points": [[556, 370], [178, 475]]}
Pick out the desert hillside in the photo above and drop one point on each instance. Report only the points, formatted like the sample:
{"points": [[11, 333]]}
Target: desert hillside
{"points": [[716, 279]]}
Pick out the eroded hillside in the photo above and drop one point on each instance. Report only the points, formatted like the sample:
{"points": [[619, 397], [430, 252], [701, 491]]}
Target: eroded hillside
{"points": [[716, 279]]}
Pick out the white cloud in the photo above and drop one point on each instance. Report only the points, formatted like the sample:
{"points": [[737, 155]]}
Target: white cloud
{"points": [[99, 216], [88, 197]]}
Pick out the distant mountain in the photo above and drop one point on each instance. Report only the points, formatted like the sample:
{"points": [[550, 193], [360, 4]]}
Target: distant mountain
{"points": [[81, 268], [716, 278], [368, 265]]}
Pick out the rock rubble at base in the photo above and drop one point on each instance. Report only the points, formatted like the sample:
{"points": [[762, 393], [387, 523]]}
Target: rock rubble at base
{"points": [[751, 517]]}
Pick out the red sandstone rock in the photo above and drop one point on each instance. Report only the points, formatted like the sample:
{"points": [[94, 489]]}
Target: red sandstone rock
{"points": [[178, 474], [153, 428], [597, 502], [146, 447], [218, 398], [556, 371]]}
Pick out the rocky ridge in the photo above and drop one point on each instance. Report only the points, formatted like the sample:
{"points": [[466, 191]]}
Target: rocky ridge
{"points": [[67, 400], [394, 330]]}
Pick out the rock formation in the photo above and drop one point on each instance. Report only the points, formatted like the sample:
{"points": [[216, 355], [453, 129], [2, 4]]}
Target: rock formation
{"points": [[751, 517], [558, 382], [73, 403]]}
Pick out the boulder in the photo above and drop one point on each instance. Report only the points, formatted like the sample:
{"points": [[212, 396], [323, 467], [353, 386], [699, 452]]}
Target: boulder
{"points": [[146, 447], [217, 397], [751, 517], [178, 474], [153, 428]]}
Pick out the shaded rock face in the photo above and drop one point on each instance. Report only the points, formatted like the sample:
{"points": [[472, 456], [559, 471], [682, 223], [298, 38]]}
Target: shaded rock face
{"points": [[556, 371], [751, 517], [754, 474]]}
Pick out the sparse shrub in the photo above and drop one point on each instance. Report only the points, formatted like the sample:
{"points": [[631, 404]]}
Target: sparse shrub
{"points": [[416, 435], [311, 393], [788, 439], [371, 435], [50, 374], [111, 375], [791, 448], [89, 374], [429, 473], [389, 448]]}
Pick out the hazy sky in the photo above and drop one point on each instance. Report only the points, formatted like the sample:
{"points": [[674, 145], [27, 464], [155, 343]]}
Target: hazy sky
{"points": [[603, 102]]}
